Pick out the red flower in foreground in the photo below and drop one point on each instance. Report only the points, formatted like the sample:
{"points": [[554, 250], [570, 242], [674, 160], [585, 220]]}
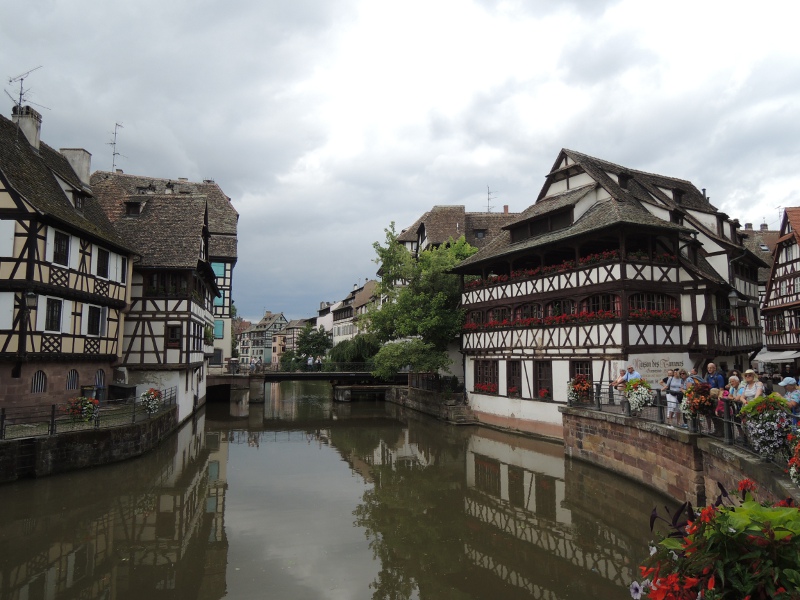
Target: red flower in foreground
{"points": [[747, 485]]}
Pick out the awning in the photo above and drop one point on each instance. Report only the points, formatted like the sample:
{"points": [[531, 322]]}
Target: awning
{"points": [[780, 356]]}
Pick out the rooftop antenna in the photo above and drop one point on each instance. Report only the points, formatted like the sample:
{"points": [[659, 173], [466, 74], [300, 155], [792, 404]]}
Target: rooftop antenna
{"points": [[113, 144], [22, 91], [489, 199]]}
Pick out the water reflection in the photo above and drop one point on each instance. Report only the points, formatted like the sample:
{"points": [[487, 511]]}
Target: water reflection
{"points": [[309, 499]]}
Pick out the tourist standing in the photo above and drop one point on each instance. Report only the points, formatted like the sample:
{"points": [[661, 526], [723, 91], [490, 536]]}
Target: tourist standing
{"points": [[632, 374], [717, 382], [674, 386], [792, 396], [751, 389]]}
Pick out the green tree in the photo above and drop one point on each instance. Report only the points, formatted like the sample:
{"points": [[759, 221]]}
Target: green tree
{"points": [[360, 349], [290, 361], [235, 326], [313, 342], [420, 312]]}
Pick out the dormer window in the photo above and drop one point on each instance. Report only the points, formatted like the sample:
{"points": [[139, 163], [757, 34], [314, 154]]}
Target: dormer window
{"points": [[623, 180], [764, 247], [78, 200], [133, 209], [480, 234]]}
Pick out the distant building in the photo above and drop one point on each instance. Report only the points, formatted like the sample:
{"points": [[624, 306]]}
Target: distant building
{"points": [[345, 315], [442, 223], [258, 338], [64, 272], [291, 331]]}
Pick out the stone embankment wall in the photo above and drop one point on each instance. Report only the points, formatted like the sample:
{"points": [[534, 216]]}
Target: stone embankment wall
{"points": [[442, 405], [685, 466], [49, 455]]}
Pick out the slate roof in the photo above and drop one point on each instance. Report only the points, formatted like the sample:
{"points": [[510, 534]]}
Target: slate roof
{"points": [[222, 216], [33, 174]]}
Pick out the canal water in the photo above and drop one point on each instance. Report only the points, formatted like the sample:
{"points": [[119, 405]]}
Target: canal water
{"points": [[309, 499]]}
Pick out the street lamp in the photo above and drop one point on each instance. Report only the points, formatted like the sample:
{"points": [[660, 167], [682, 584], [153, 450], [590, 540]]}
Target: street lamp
{"points": [[30, 300], [733, 299]]}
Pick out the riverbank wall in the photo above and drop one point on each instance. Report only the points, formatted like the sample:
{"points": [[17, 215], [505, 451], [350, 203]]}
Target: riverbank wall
{"points": [[685, 466], [442, 405], [50, 455]]}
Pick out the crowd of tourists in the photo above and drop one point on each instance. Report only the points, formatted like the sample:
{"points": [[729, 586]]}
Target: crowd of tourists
{"points": [[737, 387]]}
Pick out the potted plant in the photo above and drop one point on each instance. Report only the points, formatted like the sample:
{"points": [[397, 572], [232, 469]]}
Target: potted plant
{"points": [[726, 551]]}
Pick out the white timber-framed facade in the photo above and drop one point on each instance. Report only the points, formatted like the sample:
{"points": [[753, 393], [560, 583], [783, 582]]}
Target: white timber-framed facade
{"points": [[64, 272], [781, 310], [172, 288], [609, 267]]}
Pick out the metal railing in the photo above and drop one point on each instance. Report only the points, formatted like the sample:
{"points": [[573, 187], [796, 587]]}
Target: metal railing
{"points": [[303, 367], [727, 427], [43, 420]]}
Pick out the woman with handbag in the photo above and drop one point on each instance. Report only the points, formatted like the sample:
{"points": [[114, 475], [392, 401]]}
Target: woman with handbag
{"points": [[674, 386]]}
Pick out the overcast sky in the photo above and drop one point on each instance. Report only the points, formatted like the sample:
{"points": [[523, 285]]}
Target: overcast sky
{"points": [[325, 120]]}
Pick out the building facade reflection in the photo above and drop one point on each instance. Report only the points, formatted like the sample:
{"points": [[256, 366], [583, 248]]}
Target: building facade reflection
{"points": [[125, 531]]}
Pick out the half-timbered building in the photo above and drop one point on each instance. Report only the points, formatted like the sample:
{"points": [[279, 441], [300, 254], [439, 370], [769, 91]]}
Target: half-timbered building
{"points": [[222, 245], [781, 308], [445, 222], [610, 266], [64, 271], [172, 288]]}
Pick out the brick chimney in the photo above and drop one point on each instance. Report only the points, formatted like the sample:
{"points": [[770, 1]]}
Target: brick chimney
{"points": [[30, 123], [505, 209], [764, 227], [748, 226], [81, 162]]}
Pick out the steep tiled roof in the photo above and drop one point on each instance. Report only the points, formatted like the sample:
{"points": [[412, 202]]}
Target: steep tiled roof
{"points": [[222, 216], [753, 239], [32, 175], [551, 203], [365, 293], [604, 214], [642, 186], [793, 216], [444, 222], [167, 234]]}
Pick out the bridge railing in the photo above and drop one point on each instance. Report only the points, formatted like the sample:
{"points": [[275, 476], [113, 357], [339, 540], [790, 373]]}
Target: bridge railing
{"points": [[304, 367], [725, 424]]}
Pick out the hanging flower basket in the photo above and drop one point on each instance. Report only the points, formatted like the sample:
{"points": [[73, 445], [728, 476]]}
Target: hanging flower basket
{"points": [[83, 409], [151, 400], [639, 394], [768, 425]]}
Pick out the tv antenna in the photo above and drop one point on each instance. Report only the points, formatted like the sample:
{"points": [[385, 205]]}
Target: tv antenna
{"points": [[22, 91], [113, 144], [489, 199]]}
